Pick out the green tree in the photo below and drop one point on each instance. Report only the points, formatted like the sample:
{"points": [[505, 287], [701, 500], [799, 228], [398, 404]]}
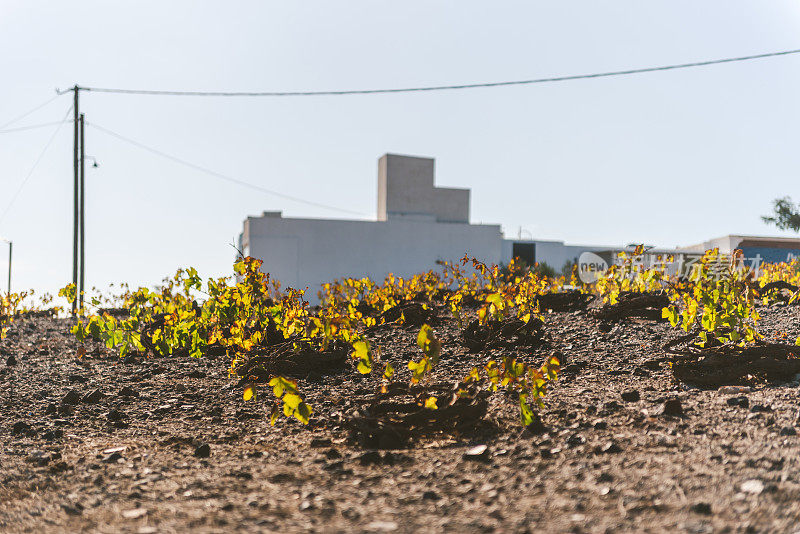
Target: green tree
{"points": [[786, 215]]}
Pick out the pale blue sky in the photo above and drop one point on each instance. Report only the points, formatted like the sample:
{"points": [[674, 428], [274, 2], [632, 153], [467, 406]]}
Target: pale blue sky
{"points": [[669, 158]]}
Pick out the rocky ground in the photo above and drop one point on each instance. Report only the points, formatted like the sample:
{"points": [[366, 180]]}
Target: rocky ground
{"points": [[146, 445]]}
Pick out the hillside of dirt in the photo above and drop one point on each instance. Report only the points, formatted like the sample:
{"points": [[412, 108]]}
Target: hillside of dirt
{"points": [[147, 444]]}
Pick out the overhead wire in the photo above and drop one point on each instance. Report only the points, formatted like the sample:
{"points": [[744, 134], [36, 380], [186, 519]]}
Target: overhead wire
{"points": [[439, 87], [220, 175], [37, 108], [31, 127], [35, 164]]}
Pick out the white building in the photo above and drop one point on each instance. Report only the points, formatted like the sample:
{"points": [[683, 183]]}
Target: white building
{"points": [[771, 249], [417, 225]]}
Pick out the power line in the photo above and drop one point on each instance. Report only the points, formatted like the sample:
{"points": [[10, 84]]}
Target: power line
{"points": [[441, 87], [40, 106], [219, 175], [35, 164], [31, 127]]}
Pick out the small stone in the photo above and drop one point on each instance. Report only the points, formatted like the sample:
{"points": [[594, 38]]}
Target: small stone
{"points": [[702, 508], [756, 408], [741, 401], [333, 454], [128, 391], [788, 431], [611, 448], [370, 457], [93, 397], [70, 509], [72, 397], [478, 452], [111, 458], [672, 407], [20, 427], [600, 424], [430, 495], [575, 439], [136, 513], [54, 434], [115, 415], [383, 526], [752, 486], [11, 361], [203, 451], [321, 442], [631, 395], [605, 477], [734, 390], [39, 458]]}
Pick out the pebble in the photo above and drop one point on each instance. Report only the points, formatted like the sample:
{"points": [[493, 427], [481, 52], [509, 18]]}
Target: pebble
{"points": [[382, 526], [611, 448], [672, 407], [72, 397], [76, 509], [575, 439], [734, 390], [478, 452], [370, 457], [203, 451], [20, 427], [742, 401], [136, 513], [703, 508], [752, 486], [93, 397], [600, 424], [128, 391], [631, 395], [788, 431], [321, 442], [111, 458], [11, 361]]}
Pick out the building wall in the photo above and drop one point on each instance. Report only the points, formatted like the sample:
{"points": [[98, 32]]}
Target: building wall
{"points": [[406, 188], [310, 252], [771, 249], [553, 253]]}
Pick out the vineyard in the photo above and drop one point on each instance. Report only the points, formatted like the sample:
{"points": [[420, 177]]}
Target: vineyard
{"points": [[471, 397]]}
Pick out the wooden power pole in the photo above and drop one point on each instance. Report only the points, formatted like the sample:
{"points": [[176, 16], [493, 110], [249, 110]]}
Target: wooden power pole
{"points": [[76, 156], [82, 214]]}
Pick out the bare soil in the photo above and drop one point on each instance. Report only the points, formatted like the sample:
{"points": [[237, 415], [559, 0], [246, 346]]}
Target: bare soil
{"points": [[148, 444]]}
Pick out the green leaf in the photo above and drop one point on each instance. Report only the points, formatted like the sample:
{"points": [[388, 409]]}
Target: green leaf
{"points": [[388, 372], [526, 414], [424, 337]]}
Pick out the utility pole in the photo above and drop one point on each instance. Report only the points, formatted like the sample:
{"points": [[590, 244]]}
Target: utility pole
{"points": [[81, 288], [10, 247], [76, 156]]}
